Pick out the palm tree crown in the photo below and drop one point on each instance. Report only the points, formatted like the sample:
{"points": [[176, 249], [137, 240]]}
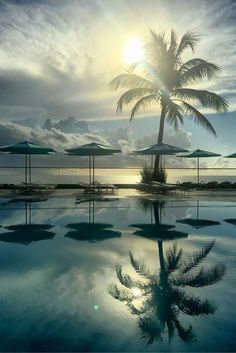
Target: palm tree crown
{"points": [[163, 79], [164, 295]]}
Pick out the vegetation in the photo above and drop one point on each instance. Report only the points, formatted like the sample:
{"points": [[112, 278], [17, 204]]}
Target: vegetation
{"points": [[163, 79], [147, 175]]}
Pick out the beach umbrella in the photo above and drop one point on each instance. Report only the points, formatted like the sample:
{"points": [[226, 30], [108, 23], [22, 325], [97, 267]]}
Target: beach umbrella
{"points": [[197, 222], [28, 232], [199, 154], [27, 148], [91, 150], [161, 149], [91, 231]]}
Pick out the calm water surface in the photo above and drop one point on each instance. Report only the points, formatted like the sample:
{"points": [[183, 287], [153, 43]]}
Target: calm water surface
{"points": [[117, 275]]}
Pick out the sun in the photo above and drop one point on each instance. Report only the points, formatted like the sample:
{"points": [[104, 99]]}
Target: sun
{"points": [[133, 51]]}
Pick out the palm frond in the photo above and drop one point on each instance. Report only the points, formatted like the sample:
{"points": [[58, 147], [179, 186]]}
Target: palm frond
{"points": [[125, 279], [197, 257], [199, 118], [173, 114], [120, 294], [139, 267], [131, 95], [144, 102], [204, 277], [195, 70], [173, 258], [206, 98], [185, 334], [173, 43], [130, 81], [188, 40], [151, 329], [156, 45], [194, 306]]}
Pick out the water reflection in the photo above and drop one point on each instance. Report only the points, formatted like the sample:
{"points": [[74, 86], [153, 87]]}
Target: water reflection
{"points": [[159, 299], [197, 222], [28, 232], [91, 231], [231, 221]]}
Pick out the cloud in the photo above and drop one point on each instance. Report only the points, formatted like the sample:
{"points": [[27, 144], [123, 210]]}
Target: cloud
{"points": [[121, 138], [58, 58]]}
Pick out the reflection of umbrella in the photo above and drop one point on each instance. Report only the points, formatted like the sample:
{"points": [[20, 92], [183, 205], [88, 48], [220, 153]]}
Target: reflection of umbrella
{"points": [[233, 155], [196, 222], [157, 230], [91, 150], [27, 148], [231, 221], [199, 154], [28, 232], [91, 231], [160, 149]]}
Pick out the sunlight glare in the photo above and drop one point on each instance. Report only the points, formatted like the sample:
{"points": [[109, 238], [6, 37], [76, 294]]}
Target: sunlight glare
{"points": [[133, 51], [136, 292]]}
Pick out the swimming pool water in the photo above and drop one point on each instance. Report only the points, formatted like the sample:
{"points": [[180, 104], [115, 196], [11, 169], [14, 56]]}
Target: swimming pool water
{"points": [[117, 275]]}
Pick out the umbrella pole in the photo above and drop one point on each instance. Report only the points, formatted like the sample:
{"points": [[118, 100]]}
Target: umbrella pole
{"points": [[29, 168], [30, 206], [26, 169], [197, 209], [26, 218], [89, 171], [93, 173], [198, 170]]}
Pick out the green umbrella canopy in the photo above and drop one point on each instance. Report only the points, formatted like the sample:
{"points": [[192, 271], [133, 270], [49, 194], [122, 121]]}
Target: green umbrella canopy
{"points": [[29, 232], [231, 221], [233, 155], [199, 154], [92, 232], [26, 147], [159, 232], [26, 236], [198, 223], [159, 149], [92, 149]]}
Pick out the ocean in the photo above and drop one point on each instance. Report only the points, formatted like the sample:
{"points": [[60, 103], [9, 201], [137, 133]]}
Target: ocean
{"points": [[111, 175]]}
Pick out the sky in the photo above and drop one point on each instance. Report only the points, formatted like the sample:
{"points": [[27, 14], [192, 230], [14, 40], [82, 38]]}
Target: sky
{"points": [[57, 58]]}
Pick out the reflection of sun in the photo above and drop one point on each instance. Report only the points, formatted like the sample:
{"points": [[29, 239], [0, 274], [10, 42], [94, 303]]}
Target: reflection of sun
{"points": [[136, 292], [133, 51]]}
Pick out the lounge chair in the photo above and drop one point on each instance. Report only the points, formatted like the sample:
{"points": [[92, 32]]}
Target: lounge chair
{"points": [[99, 188]]}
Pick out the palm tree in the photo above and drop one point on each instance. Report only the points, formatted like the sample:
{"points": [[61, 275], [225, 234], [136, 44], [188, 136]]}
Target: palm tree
{"points": [[163, 296], [163, 78]]}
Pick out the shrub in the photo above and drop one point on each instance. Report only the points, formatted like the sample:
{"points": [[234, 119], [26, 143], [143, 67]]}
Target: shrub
{"points": [[146, 175], [160, 176]]}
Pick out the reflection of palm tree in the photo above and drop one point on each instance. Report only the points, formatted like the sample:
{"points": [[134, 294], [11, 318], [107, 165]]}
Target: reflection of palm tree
{"points": [[162, 297]]}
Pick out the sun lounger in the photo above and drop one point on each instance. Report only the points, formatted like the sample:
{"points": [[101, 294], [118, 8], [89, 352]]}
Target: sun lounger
{"points": [[99, 188], [32, 189]]}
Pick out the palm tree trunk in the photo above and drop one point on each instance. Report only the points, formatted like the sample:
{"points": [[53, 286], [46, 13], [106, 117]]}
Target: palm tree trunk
{"points": [[159, 140]]}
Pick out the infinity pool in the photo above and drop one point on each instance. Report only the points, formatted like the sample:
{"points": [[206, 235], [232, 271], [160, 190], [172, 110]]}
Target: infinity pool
{"points": [[117, 275]]}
